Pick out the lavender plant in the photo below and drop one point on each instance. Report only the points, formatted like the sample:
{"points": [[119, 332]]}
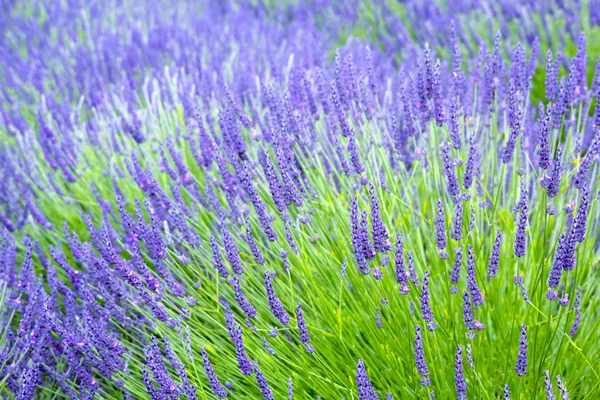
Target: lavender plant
{"points": [[202, 201]]}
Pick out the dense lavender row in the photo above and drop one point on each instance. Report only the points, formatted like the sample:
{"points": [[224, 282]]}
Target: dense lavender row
{"points": [[249, 201]]}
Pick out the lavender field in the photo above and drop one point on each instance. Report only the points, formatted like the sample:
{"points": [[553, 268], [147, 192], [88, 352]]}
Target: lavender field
{"points": [[254, 199]]}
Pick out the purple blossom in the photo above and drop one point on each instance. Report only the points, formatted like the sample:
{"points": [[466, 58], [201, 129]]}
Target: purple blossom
{"points": [[274, 301], [449, 172], [233, 254], [459, 376], [471, 281], [420, 358], [263, 385], [455, 273], [215, 383], [468, 178], [514, 123], [562, 388], [440, 228], [548, 385], [458, 222], [356, 238], [304, 335], [425, 306], [495, 256], [244, 304], [521, 365], [217, 260], [521, 236], [544, 137], [553, 183], [577, 309], [366, 391], [401, 275], [381, 240]]}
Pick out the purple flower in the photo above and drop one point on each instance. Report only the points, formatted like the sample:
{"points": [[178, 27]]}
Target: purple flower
{"points": [[580, 222], [495, 257], [438, 107], [455, 273], [377, 273], [467, 310], [548, 384], [274, 301], [217, 260], [420, 358], [458, 222], [468, 178], [564, 301], [365, 241], [304, 335], [562, 388], [557, 266], [506, 392], [440, 227], [514, 123], [459, 376], [471, 281], [354, 155], [425, 306], [263, 385], [412, 273], [544, 134], [449, 172], [453, 124], [552, 70], [577, 309], [553, 184], [356, 239], [233, 254], [244, 304], [290, 389], [215, 383], [366, 391], [381, 240], [401, 275], [252, 243], [31, 380], [521, 236], [521, 365]]}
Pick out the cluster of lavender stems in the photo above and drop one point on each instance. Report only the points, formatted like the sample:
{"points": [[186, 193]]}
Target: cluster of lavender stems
{"points": [[181, 184]]}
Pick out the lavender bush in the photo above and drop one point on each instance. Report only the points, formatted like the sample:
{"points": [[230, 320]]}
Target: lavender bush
{"points": [[247, 199]]}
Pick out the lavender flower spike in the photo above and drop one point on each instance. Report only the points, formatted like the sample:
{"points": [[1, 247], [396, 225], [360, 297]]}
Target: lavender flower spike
{"points": [[440, 230], [548, 384], [304, 335], [420, 358], [263, 385], [459, 375], [381, 239], [274, 301], [401, 275], [425, 306], [562, 388], [458, 222], [366, 391], [521, 236], [495, 257], [244, 304], [471, 281], [215, 383], [449, 172], [455, 273], [577, 309], [521, 366]]}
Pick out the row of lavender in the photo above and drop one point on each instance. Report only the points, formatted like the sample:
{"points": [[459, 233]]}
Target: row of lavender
{"points": [[266, 160]]}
